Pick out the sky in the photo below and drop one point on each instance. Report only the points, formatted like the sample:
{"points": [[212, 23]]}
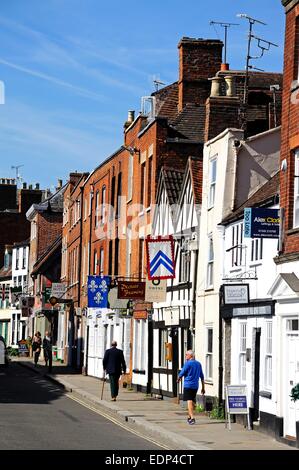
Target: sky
{"points": [[73, 68]]}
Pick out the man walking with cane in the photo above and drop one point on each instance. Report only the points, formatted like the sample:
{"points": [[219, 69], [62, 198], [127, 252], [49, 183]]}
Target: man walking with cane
{"points": [[113, 364], [191, 372]]}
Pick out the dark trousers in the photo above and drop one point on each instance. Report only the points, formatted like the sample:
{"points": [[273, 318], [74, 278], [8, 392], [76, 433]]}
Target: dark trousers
{"points": [[36, 356], [48, 359], [114, 378]]}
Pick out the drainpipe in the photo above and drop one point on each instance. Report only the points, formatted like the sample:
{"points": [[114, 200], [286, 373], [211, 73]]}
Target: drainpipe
{"points": [[220, 368]]}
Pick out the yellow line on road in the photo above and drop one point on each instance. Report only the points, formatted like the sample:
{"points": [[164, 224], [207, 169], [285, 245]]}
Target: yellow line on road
{"points": [[113, 420]]}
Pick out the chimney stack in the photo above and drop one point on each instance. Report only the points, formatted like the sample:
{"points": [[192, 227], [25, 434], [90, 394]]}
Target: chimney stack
{"points": [[199, 60]]}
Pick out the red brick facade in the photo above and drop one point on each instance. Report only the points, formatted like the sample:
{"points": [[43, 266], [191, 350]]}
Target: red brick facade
{"points": [[290, 129]]}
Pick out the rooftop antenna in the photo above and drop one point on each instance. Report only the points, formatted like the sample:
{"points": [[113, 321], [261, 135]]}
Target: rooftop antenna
{"points": [[225, 26], [263, 45], [18, 176], [158, 83]]}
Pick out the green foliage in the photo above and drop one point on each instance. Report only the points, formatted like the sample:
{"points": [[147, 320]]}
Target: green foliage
{"points": [[295, 393], [217, 411], [199, 408], [12, 351]]}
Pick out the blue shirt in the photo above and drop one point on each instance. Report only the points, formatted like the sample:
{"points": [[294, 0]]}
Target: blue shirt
{"points": [[192, 371]]}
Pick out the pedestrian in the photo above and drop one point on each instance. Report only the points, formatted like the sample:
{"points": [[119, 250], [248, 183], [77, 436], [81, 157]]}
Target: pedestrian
{"points": [[113, 364], [36, 346], [191, 372], [47, 345]]}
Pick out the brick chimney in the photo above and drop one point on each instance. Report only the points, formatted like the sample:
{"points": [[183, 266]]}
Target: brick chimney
{"points": [[199, 60]]}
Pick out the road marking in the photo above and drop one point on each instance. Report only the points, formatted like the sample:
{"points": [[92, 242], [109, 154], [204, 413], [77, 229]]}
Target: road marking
{"points": [[102, 413]]}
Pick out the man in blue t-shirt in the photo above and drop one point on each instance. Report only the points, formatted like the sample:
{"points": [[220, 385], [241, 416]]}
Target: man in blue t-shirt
{"points": [[191, 372]]}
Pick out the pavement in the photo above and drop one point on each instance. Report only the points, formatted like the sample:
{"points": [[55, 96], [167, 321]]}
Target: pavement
{"points": [[164, 421]]}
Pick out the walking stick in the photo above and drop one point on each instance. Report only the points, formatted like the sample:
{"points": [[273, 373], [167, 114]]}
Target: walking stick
{"points": [[104, 380]]}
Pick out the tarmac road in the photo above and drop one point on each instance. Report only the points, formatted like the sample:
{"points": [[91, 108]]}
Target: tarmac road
{"points": [[36, 414]]}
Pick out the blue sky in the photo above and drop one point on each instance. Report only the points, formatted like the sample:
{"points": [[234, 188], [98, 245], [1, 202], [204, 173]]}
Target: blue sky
{"points": [[73, 68]]}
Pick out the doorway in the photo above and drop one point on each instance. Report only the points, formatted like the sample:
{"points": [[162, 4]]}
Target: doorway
{"points": [[256, 385], [292, 377]]}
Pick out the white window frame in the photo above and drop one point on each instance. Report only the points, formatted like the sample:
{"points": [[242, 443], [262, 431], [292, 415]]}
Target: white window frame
{"points": [[212, 182], [296, 190], [209, 355], [237, 245], [268, 355], [210, 263], [242, 352], [256, 250], [163, 339]]}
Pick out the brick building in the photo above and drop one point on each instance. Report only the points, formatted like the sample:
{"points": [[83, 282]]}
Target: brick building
{"points": [[119, 194], [14, 204], [286, 286], [45, 259]]}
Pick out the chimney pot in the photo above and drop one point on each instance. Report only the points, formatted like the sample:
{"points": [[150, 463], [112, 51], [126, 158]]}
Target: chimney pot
{"points": [[224, 67], [24, 185], [131, 116], [36, 185], [215, 88], [230, 85], [59, 184], [30, 186]]}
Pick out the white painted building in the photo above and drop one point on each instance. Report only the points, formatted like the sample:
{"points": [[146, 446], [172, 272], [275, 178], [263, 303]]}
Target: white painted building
{"points": [[20, 273], [250, 330], [177, 213], [233, 170]]}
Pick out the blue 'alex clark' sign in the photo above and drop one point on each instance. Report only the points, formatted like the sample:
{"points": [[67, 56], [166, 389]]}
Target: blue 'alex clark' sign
{"points": [[261, 223]]}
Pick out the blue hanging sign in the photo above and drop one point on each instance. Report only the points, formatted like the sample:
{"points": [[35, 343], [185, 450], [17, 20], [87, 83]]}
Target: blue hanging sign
{"points": [[98, 287], [261, 223]]}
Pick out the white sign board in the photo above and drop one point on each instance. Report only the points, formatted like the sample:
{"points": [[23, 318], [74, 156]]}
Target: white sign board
{"points": [[236, 402], [155, 291], [236, 294], [58, 290], [171, 316]]}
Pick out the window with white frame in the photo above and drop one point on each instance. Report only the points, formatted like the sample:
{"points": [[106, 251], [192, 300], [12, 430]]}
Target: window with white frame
{"points": [[296, 190], [95, 263], [209, 354], [101, 261], [212, 182], [103, 206], [24, 258], [237, 248], [130, 176], [185, 259], [256, 249], [17, 258], [210, 263], [268, 356], [163, 339], [242, 352]]}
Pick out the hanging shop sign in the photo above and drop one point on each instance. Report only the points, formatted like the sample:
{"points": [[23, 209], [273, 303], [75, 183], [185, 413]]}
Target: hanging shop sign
{"points": [[115, 302], [155, 291], [131, 290], [160, 258], [98, 287], [58, 289], [236, 294], [236, 402], [261, 223]]}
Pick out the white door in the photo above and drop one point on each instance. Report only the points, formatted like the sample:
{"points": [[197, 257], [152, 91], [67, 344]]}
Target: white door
{"points": [[292, 408]]}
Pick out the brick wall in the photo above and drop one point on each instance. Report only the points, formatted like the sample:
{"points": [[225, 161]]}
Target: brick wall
{"points": [[199, 60], [290, 130]]}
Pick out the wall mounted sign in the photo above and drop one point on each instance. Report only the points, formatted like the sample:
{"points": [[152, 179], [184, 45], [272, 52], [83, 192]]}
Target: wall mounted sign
{"points": [[160, 258], [98, 287], [155, 291], [261, 223], [236, 294], [131, 290]]}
